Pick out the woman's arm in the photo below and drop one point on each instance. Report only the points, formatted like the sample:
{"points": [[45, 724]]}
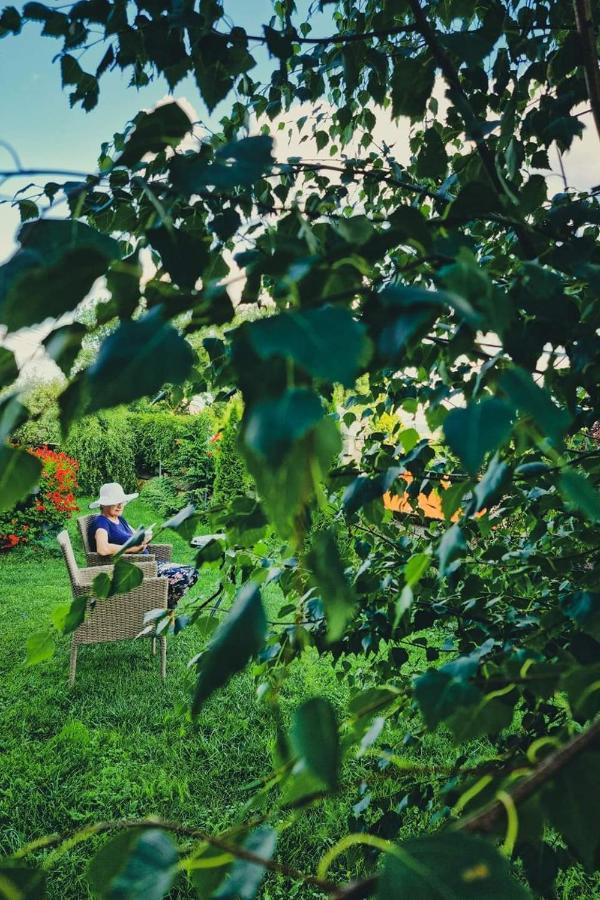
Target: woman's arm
{"points": [[105, 549]]}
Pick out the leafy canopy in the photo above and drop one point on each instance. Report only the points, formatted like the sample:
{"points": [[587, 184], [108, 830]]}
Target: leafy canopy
{"points": [[454, 282]]}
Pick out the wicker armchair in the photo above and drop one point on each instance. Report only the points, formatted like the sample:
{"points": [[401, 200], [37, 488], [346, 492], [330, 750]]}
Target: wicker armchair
{"points": [[159, 552], [117, 618]]}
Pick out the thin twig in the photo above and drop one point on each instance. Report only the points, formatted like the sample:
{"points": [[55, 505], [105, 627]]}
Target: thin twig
{"points": [[178, 828], [487, 818]]}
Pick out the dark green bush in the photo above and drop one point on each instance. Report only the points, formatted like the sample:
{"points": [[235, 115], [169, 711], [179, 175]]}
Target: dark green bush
{"points": [[43, 429], [163, 495], [103, 444], [173, 444], [231, 475], [177, 446]]}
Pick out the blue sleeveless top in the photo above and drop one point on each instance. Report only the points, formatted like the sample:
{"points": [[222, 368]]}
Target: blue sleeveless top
{"points": [[118, 533]]}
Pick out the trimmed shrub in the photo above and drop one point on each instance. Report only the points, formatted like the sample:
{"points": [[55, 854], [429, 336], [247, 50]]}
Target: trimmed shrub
{"points": [[44, 427], [104, 446], [163, 495], [154, 436], [176, 446], [231, 475], [46, 511]]}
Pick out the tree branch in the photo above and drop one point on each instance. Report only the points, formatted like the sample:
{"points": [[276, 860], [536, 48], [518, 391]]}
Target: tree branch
{"points": [[585, 27], [487, 818], [472, 125], [183, 831], [342, 38]]}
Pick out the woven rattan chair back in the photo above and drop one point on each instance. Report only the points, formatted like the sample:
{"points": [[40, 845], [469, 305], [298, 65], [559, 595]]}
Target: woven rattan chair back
{"points": [[72, 568], [83, 522]]}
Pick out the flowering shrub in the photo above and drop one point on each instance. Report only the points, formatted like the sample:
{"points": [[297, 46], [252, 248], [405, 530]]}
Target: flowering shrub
{"points": [[49, 508]]}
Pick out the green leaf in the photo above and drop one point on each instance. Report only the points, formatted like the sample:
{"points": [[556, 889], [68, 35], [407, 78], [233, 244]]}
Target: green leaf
{"points": [[440, 692], [339, 599], [18, 882], [451, 498], [415, 568], [184, 255], [470, 46], [235, 642], [474, 199], [137, 360], [315, 739], [238, 164], [326, 342], [451, 546], [273, 425], [578, 490], [212, 68], [40, 647], [55, 268], [363, 490], [535, 401], [64, 344], [582, 686], [301, 788], [101, 585], [492, 713], [125, 578], [279, 44], [123, 282], [164, 127], [181, 520], [28, 210], [19, 474], [245, 877], [411, 85], [570, 800], [136, 864], [448, 866], [415, 298], [226, 223], [8, 366], [356, 230], [584, 608], [372, 700], [432, 160], [491, 485], [477, 429], [10, 21], [286, 490], [208, 868], [75, 615]]}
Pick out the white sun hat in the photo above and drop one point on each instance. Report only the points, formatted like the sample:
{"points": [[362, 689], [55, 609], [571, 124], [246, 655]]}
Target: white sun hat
{"points": [[111, 494]]}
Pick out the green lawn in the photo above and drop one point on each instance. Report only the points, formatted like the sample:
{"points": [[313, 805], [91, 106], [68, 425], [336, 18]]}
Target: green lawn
{"points": [[119, 744]]}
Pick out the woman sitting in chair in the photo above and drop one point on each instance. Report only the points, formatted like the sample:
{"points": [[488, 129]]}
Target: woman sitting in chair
{"points": [[108, 532]]}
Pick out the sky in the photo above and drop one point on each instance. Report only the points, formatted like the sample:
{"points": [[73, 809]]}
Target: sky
{"points": [[36, 120]]}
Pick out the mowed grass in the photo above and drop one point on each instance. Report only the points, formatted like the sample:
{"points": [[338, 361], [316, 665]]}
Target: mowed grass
{"points": [[120, 743]]}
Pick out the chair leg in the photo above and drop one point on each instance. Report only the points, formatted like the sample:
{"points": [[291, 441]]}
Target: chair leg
{"points": [[73, 663], [153, 646], [163, 658]]}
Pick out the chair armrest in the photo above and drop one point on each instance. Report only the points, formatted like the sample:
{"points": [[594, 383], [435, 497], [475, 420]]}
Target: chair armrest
{"points": [[154, 590], [162, 552], [88, 574], [95, 559]]}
